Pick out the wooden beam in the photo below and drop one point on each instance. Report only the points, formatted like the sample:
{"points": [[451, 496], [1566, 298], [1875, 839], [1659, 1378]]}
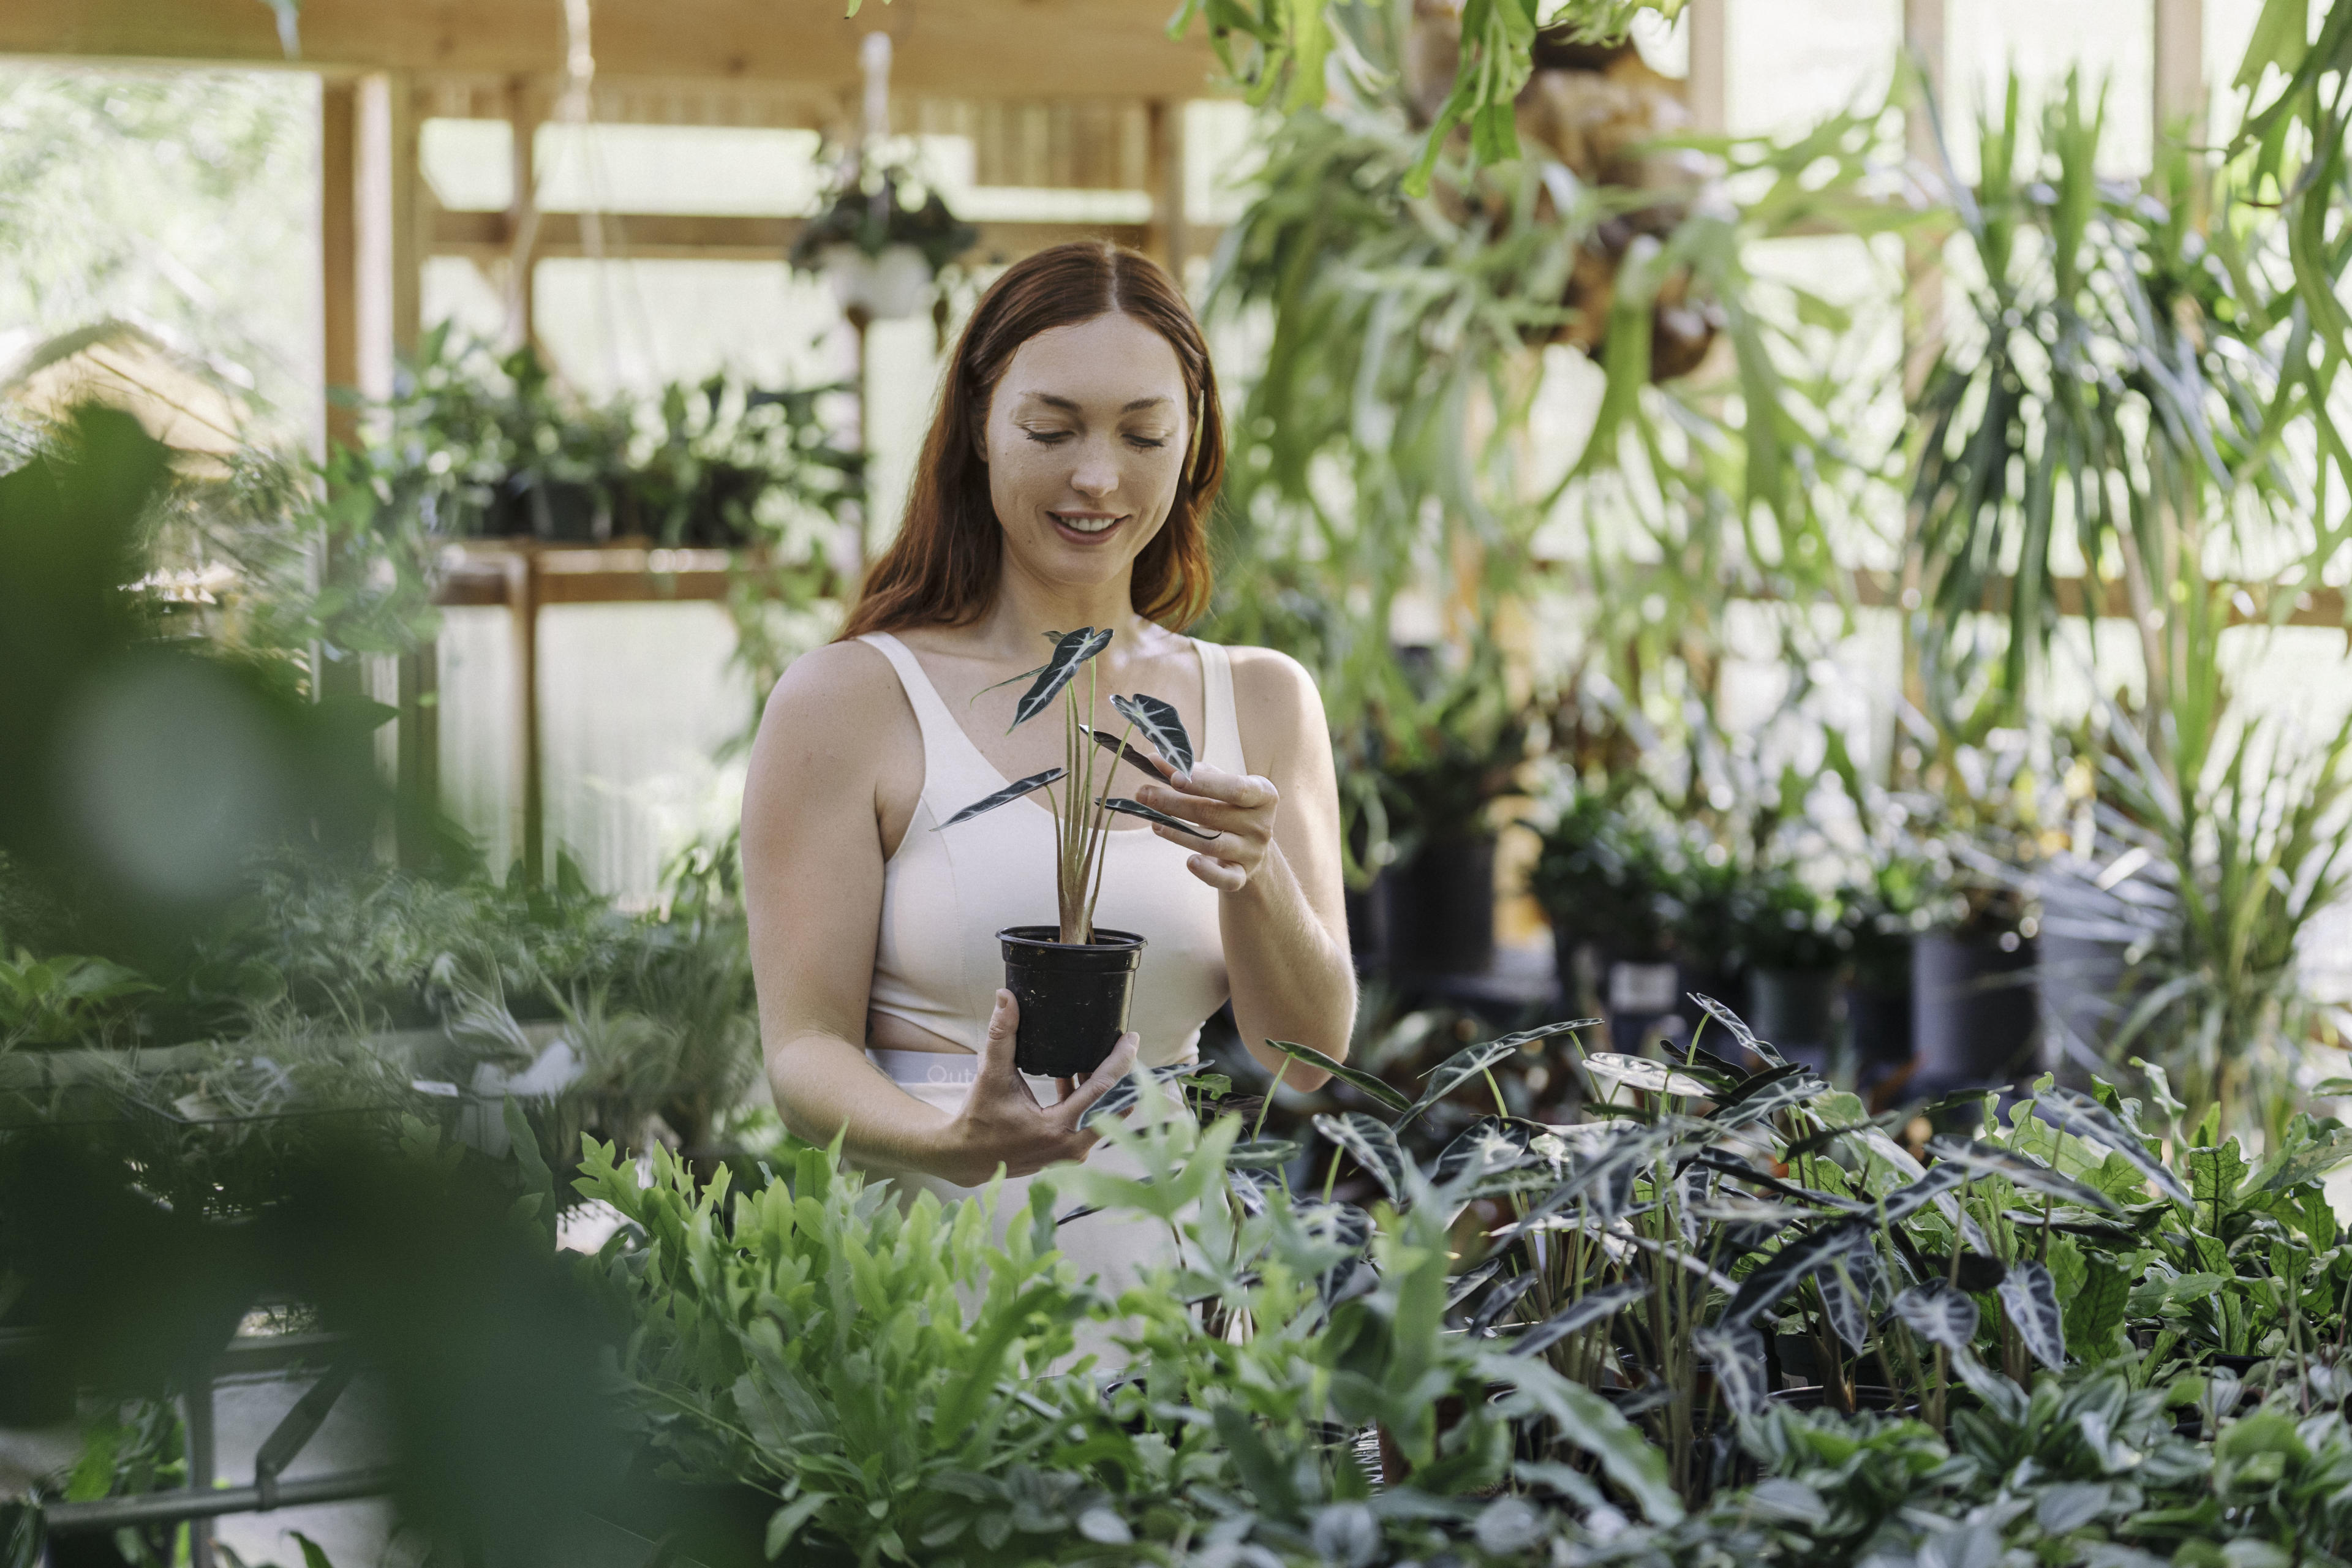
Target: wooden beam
{"points": [[1163, 177], [2180, 98], [522, 104], [965, 49], [489, 234], [339, 259], [1707, 87]]}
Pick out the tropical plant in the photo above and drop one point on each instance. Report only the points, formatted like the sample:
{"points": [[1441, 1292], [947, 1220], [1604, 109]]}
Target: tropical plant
{"points": [[1599, 871], [1082, 818]]}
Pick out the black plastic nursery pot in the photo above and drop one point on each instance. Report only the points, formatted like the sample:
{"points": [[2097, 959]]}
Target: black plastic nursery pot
{"points": [[1795, 1009], [1976, 1013], [1438, 909], [1073, 995]]}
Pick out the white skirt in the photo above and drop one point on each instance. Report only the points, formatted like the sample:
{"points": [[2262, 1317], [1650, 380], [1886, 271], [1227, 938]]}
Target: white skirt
{"points": [[1114, 1249]]}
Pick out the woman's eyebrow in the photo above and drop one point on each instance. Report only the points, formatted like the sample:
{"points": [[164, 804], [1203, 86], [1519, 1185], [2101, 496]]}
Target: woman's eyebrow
{"points": [[1051, 401]]}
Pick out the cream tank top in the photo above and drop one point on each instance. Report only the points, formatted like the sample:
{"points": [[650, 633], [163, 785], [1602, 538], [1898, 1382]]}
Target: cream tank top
{"points": [[945, 894]]}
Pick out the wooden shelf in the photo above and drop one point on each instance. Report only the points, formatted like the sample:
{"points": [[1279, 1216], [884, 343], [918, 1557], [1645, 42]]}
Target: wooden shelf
{"points": [[488, 571]]}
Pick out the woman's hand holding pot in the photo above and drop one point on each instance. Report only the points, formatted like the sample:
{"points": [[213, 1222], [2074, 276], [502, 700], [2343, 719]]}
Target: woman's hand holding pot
{"points": [[1002, 1124], [1237, 807]]}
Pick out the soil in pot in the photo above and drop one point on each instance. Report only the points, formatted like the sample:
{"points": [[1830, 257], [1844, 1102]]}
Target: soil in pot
{"points": [[1439, 907], [1074, 996]]}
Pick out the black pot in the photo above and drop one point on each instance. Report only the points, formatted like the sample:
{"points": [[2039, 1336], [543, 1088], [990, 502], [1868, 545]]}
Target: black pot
{"points": [[1073, 997], [1636, 993], [1439, 907], [1975, 1014], [1795, 1009], [1880, 1019], [2086, 990]]}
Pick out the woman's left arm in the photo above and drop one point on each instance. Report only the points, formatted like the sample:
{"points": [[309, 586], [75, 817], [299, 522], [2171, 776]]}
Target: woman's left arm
{"points": [[1275, 860]]}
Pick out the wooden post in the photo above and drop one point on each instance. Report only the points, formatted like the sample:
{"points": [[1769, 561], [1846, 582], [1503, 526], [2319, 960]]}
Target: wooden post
{"points": [[339, 262], [1709, 85], [522, 215], [1923, 290], [2180, 100], [523, 607], [1164, 170], [389, 244]]}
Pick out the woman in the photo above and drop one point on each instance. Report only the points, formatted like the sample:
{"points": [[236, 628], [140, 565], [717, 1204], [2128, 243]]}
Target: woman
{"points": [[1066, 481]]}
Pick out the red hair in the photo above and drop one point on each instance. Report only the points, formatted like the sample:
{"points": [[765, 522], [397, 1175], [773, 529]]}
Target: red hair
{"points": [[942, 568]]}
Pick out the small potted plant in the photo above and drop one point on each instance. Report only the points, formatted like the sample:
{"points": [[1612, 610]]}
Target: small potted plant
{"points": [[1795, 944], [1596, 875], [1072, 980]]}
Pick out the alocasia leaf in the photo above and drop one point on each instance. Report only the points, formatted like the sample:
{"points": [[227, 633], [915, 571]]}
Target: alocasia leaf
{"points": [[1579, 1315], [1133, 808], [1938, 1313], [2022, 1169], [1110, 742], [1454, 1072], [2088, 1120], [1158, 722], [1356, 1077], [1004, 796], [1739, 1029], [1500, 1300], [1737, 1353], [1372, 1146], [1070, 650], [2030, 1297], [1640, 1072]]}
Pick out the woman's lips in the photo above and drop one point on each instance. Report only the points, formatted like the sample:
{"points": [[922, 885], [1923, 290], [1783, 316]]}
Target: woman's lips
{"points": [[1081, 536]]}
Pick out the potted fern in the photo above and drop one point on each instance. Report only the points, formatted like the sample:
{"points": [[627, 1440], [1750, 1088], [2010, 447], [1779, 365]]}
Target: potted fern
{"points": [[1073, 981]]}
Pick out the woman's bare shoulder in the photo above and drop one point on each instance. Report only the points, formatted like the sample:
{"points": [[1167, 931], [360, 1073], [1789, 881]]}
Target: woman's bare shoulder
{"points": [[828, 700], [1272, 682]]}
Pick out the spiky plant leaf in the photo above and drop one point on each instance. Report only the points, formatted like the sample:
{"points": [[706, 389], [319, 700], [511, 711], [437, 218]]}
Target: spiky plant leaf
{"points": [[1454, 1072], [1110, 742], [1501, 1300], [1739, 1029], [1654, 1077], [1004, 796]]}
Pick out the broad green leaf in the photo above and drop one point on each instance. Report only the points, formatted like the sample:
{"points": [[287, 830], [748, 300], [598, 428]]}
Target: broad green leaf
{"points": [[2088, 1120], [2022, 1169]]}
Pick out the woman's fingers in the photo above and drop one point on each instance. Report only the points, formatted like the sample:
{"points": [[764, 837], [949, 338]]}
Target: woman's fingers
{"points": [[1074, 1104], [1222, 875], [996, 1066]]}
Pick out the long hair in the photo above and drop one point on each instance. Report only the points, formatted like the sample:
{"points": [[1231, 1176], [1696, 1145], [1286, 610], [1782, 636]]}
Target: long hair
{"points": [[943, 569]]}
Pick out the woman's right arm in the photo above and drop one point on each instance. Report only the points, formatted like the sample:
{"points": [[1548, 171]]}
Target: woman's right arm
{"points": [[813, 871]]}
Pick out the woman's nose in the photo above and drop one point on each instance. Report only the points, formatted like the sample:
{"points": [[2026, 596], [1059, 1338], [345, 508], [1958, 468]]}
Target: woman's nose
{"points": [[1096, 475]]}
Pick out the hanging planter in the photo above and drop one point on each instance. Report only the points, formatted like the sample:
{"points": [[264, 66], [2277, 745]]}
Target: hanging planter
{"points": [[881, 241]]}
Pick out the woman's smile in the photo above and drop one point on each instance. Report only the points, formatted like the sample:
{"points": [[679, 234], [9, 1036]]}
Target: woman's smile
{"points": [[1087, 529]]}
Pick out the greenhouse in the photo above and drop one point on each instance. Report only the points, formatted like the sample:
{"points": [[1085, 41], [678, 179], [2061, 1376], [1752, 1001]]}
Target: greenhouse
{"points": [[1236, 783]]}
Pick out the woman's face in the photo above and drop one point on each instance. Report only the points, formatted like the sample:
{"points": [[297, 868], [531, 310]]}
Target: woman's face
{"points": [[1085, 441]]}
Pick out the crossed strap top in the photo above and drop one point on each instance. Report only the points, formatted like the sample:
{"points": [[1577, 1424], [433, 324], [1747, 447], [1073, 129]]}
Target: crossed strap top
{"points": [[945, 895]]}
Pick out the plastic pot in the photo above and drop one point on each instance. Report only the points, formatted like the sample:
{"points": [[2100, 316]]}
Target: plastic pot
{"points": [[1073, 995], [1795, 1009], [1439, 907], [1975, 1014]]}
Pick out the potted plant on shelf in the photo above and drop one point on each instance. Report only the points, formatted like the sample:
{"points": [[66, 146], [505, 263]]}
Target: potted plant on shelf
{"points": [[1884, 913], [1072, 980], [1597, 875], [1795, 944], [881, 238]]}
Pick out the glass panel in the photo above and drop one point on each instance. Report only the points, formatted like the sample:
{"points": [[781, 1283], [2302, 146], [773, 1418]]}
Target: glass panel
{"points": [[2111, 41], [1795, 62], [469, 163], [703, 169]]}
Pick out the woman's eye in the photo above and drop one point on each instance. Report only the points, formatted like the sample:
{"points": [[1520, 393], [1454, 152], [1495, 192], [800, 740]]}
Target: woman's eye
{"points": [[1048, 437], [1151, 442]]}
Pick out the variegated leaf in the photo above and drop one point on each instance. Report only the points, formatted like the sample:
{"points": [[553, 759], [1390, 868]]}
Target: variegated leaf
{"points": [[1356, 1077], [1158, 722], [1739, 1029], [1640, 1072], [1845, 1286], [1125, 807], [1458, 1289], [1372, 1146], [1454, 1072], [1768, 1094], [2086, 1118], [1486, 1147], [2022, 1170], [1939, 1313], [1004, 796], [1501, 1300], [1129, 754], [1261, 1154], [1593, 1307], [1785, 1269], [1070, 650], [1737, 1353], [2030, 1296]]}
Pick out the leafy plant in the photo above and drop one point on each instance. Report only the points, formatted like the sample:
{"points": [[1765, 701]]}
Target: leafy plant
{"points": [[1081, 818]]}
